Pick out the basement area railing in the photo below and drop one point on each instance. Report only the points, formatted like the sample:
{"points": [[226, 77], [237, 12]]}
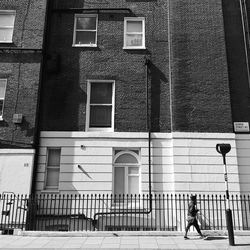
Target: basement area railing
{"points": [[47, 212]]}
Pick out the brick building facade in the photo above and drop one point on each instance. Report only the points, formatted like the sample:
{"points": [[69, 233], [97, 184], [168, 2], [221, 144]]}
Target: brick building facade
{"points": [[21, 41], [124, 80], [127, 79]]}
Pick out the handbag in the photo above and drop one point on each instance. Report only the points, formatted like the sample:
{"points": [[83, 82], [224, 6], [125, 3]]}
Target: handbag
{"points": [[190, 219]]}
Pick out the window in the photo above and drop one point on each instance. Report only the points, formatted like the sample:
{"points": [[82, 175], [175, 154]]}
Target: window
{"points": [[100, 106], [85, 31], [126, 173], [134, 33], [7, 19], [53, 168], [3, 83]]}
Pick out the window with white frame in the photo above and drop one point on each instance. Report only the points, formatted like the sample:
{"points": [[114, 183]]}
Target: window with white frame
{"points": [[53, 168], [7, 19], [134, 33], [85, 30], [126, 177], [3, 84], [100, 106]]}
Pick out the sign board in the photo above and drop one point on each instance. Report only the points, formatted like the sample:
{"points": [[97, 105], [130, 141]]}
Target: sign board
{"points": [[241, 126]]}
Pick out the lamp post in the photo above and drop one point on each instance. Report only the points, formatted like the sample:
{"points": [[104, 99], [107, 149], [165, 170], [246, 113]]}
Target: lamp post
{"points": [[223, 149]]}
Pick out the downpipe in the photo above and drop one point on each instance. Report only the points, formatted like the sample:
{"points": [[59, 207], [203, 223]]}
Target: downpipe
{"points": [[245, 30]]}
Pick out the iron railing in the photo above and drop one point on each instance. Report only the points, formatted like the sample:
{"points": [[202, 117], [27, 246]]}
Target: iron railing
{"points": [[47, 212]]}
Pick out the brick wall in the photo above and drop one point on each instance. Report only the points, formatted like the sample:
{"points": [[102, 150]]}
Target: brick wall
{"points": [[64, 92], [201, 97], [198, 91], [239, 82], [22, 71]]}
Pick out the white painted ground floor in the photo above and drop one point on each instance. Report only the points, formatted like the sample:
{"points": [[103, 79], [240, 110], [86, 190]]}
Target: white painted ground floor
{"points": [[16, 169], [105, 163]]}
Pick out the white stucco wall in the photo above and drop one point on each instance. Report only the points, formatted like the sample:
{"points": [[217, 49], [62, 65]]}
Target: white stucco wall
{"points": [[243, 153], [96, 158], [198, 166], [16, 166], [181, 162]]}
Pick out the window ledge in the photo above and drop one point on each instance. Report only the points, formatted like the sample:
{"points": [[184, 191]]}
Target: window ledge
{"points": [[84, 46], [10, 42], [100, 130], [134, 48], [1, 118]]}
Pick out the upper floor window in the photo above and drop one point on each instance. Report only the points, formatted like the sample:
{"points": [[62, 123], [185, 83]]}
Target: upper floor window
{"points": [[7, 19], [100, 106], [134, 33], [85, 30], [3, 83], [53, 168]]}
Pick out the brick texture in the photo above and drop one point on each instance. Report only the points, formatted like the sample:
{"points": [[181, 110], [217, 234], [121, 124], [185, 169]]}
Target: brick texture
{"points": [[64, 92], [200, 86], [197, 95], [238, 75], [22, 71]]}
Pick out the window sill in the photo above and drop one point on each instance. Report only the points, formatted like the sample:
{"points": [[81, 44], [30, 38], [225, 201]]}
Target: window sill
{"points": [[9, 42], [1, 118], [134, 48], [84, 46], [100, 130]]}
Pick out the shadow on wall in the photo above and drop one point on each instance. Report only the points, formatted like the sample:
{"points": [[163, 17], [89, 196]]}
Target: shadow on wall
{"points": [[157, 77], [157, 167], [63, 98], [25, 126], [62, 109]]}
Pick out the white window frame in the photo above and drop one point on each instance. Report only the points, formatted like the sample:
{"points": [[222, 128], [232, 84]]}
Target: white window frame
{"points": [[74, 35], [8, 12], [126, 166], [3, 98], [46, 187], [111, 129], [126, 19]]}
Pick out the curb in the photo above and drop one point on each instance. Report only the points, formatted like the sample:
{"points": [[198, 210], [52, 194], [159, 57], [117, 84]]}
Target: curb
{"points": [[19, 232]]}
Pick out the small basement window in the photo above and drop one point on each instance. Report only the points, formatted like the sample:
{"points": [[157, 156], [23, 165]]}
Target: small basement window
{"points": [[53, 168]]}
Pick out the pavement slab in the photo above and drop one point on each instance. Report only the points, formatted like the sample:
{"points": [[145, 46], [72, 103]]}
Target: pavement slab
{"points": [[12, 242]]}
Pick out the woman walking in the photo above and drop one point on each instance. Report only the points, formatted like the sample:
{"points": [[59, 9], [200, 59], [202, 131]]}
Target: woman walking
{"points": [[192, 220]]}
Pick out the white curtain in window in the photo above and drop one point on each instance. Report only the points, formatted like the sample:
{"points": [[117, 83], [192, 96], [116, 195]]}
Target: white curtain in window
{"points": [[7, 20], [3, 83]]}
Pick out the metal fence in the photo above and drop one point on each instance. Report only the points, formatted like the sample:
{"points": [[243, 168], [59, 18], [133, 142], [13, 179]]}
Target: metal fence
{"points": [[165, 212]]}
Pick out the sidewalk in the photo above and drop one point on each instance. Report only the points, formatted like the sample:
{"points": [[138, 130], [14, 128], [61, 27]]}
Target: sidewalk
{"points": [[121, 242]]}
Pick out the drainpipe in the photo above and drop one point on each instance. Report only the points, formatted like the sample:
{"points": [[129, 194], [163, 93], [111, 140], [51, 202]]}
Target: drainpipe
{"points": [[148, 126], [245, 27], [147, 64]]}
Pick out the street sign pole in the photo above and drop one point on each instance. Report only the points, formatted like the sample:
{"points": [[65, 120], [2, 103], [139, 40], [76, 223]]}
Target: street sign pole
{"points": [[223, 149]]}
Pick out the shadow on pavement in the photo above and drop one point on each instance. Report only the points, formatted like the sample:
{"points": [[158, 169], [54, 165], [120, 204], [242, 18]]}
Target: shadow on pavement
{"points": [[242, 245], [215, 238]]}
